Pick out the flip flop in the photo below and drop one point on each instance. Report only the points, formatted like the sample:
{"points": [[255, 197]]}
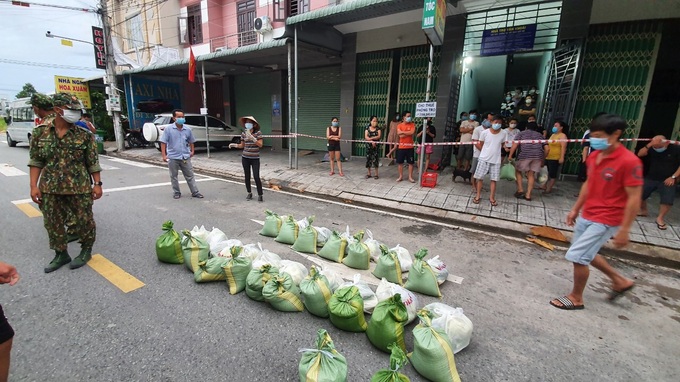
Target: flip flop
{"points": [[519, 194], [528, 199], [662, 227], [476, 200], [567, 304], [613, 295], [493, 202], [376, 177]]}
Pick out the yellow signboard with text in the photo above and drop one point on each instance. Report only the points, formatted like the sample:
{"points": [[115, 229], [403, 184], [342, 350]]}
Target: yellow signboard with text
{"points": [[74, 86]]}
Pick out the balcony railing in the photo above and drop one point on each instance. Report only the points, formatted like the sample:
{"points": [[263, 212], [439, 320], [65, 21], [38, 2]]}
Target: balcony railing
{"points": [[234, 40]]}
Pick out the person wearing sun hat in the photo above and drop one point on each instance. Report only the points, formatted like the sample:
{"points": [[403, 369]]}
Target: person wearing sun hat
{"points": [[251, 142], [65, 180]]}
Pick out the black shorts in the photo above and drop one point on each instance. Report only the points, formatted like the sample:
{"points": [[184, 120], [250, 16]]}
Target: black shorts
{"points": [[553, 168], [333, 146], [666, 193], [405, 155], [6, 331]]}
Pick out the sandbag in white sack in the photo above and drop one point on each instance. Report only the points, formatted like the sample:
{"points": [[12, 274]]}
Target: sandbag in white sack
{"points": [[266, 257], [367, 294], [405, 258], [323, 235], [439, 269], [387, 289], [372, 244], [296, 271], [454, 322], [334, 278], [228, 245], [200, 233]]}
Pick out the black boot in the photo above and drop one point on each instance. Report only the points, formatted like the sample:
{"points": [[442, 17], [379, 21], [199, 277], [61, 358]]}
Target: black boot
{"points": [[61, 258], [259, 198], [82, 259], [249, 196]]}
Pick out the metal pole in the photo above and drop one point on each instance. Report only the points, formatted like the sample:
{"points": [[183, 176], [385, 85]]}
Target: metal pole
{"points": [[111, 76], [290, 105], [205, 106], [297, 101], [427, 99]]}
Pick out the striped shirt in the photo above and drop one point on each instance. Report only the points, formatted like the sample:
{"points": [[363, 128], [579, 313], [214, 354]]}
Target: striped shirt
{"points": [[530, 150], [250, 149]]}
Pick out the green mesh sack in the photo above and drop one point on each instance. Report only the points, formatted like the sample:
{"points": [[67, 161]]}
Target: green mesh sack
{"points": [[432, 355], [272, 224], [289, 231], [397, 361], [322, 363], [358, 253], [387, 324], [316, 293], [256, 280], [282, 293], [306, 238], [388, 266], [346, 310], [211, 270], [194, 250], [237, 270], [334, 249], [421, 277], [169, 245]]}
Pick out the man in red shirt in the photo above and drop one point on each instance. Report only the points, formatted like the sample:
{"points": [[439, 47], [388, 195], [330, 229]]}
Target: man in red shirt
{"points": [[405, 131], [608, 202]]}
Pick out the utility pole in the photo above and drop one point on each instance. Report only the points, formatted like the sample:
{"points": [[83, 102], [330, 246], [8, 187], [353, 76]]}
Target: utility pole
{"points": [[112, 90]]}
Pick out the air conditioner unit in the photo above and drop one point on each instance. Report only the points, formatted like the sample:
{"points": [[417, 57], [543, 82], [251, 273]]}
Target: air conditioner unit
{"points": [[221, 48], [263, 24]]}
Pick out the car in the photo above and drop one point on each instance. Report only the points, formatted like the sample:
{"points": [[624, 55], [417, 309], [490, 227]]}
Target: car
{"points": [[221, 134]]}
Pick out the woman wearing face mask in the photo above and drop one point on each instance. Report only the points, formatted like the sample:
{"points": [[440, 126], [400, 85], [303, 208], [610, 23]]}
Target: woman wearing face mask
{"points": [[251, 142], [372, 134], [507, 106], [511, 131], [558, 150], [334, 134]]}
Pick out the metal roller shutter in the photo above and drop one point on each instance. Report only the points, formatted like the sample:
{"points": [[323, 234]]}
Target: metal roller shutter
{"points": [[253, 98], [413, 78], [372, 94], [319, 101]]}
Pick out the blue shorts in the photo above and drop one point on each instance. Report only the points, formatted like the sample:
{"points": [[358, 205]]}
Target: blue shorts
{"points": [[588, 238]]}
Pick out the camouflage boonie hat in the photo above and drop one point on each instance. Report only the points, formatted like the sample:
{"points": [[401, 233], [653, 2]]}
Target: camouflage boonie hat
{"points": [[41, 101], [67, 100]]}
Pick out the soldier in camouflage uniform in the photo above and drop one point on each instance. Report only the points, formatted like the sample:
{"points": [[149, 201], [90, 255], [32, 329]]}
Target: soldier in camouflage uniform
{"points": [[64, 159], [42, 107]]}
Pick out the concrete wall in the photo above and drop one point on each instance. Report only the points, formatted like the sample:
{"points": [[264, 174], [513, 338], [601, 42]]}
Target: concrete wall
{"points": [[610, 11], [347, 83], [390, 38]]}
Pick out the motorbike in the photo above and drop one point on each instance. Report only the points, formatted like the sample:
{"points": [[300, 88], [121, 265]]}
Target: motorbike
{"points": [[135, 138]]}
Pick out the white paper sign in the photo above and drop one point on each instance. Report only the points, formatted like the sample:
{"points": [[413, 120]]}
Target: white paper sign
{"points": [[426, 109]]}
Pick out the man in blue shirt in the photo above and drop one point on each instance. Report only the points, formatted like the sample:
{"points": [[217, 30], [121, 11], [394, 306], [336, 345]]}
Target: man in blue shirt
{"points": [[177, 147]]}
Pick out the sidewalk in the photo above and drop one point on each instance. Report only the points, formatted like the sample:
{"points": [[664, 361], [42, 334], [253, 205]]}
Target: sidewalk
{"points": [[448, 200]]}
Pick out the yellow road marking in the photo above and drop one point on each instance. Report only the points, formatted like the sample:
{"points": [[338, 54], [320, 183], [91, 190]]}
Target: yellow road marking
{"points": [[29, 210], [117, 276]]}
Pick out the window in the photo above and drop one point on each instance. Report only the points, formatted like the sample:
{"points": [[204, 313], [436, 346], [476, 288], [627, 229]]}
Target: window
{"points": [[245, 17], [298, 7], [135, 35], [193, 25], [286, 8]]}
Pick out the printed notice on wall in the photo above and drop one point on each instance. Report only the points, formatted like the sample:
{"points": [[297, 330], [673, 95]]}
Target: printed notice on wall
{"points": [[426, 109], [500, 41]]}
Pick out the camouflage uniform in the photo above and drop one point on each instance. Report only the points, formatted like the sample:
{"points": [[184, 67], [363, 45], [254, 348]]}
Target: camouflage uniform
{"points": [[44, 103], [65, 182]]}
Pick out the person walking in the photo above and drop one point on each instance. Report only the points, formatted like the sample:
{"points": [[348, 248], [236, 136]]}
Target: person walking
{"points": [[8, 275], [430, 134], [530, 158], [372, 134], [555, 158], [251, 143], [489, 162], [662, 176], [177, 148], [608, 202], [405, 131], [65, 179], [334, 134], [393, 138]]}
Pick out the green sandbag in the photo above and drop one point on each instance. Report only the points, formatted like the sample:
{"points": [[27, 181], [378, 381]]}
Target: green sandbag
{"points": [[169, 245], [334, 249], [237, 270], [421, 277], [282, 293], [508, 172], [388, 266], [322, 363], [306, 238], [194, 250], [397, 360], [256, 280], [272, 224], [346, 309], [211, 270], [358, 254], [387, 323], [316, 291], [432, 355], [289, 231]]}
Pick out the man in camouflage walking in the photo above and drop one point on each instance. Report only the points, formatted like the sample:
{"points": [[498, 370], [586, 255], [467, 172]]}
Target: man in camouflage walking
{"points": [[42, 107], [65, 179]]}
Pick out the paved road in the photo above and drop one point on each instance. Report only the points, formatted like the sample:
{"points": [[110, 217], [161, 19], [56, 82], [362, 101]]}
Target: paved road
{"points": [[77, 326]]}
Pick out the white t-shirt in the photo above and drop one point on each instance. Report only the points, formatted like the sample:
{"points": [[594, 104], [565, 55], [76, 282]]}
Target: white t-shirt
{"points": [[512, 134], [475, 137], [467, 137], [491, 151]]}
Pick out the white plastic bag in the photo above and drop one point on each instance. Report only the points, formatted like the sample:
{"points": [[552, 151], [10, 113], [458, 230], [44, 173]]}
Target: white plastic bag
{"points": [[251, 251], [439, 269], [542, 176], [226, 251], [387, 289], [405, 259], [304, 223], [454, 322], [334, 279], [200, 233], [370, 299], [323, 234], [373, 245], [266, 257], [297, 271], [215, 236], [217, 248]]}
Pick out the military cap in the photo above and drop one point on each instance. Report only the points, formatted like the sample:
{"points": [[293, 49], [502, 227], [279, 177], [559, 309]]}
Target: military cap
{"points": [[66, 100], [41, 101]]}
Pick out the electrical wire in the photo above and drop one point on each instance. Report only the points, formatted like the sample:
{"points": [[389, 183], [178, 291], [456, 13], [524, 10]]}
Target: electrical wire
{"points": [[46, 65]]}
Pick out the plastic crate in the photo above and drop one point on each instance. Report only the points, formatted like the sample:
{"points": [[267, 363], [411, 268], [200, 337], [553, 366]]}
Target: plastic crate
{"points": [[429, 179]]}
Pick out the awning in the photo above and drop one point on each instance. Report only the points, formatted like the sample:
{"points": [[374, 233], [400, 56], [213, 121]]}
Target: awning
{"points": [[356, 10]]}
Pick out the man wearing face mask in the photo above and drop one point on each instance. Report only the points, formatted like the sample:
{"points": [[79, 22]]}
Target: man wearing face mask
{"points": [[608, 203], [476, 151], [65, 180], [662, 176], [467, 126], [525, 111], [405, 131], [177, 148]]}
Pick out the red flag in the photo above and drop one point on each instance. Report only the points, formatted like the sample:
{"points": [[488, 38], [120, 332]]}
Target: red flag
{"points": [[192, 66]]}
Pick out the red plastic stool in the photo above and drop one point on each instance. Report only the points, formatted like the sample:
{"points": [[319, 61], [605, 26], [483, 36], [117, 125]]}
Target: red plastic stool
{"points": [[429, 179]]}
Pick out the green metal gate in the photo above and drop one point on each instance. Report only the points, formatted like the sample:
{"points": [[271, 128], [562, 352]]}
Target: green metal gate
{"points": [[319, 101], [372, 94], [618, 62], [413, 78], [250, 99]]}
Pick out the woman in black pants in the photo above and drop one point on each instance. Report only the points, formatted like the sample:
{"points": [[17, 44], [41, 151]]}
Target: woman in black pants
{"points": [[251, 142]]}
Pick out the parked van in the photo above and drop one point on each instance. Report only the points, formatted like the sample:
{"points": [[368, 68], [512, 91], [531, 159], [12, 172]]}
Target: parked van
{"points": [[20, 121]]}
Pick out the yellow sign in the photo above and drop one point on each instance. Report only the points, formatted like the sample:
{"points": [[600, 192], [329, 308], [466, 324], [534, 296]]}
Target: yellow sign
{"points": [[67, 42], [74, 86]]}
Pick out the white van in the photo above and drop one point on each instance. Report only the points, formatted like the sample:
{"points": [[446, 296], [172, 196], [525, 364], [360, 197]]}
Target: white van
{"points": [[20, 121]]}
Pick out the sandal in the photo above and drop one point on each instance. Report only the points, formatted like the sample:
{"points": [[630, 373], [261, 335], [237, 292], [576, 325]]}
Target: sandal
{"points": [[476, 200], [519, 194], [332, 173], [368, 176], [662, 227], [527, 198], [493, 202], [567, 304], [375, 177]]}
